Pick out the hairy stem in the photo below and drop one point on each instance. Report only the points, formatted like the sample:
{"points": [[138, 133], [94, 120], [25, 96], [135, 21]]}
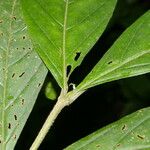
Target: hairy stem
{"points": [[63, 100]]}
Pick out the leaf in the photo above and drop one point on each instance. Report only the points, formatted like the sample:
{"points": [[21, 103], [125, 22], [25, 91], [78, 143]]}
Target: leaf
{"points": [[63, 31], [130, 133], [21, 74], [129, 56]]}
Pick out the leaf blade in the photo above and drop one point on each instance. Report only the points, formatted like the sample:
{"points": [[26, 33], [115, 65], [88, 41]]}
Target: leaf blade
{"points": [[69, 25], [22, 71], [129, 56], [129, 133]]}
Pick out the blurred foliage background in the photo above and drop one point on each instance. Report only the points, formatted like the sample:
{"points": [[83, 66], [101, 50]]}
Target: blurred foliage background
{"points": [[100, 105]]}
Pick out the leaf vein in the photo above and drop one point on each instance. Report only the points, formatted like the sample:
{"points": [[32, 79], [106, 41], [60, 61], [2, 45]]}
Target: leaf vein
{"points": [[86, 17], [43, 32], [130, 41], [44, 10], [64, 46]]}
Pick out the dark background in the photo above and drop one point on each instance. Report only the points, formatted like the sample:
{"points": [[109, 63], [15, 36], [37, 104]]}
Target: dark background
{"points": [[100, 105]]}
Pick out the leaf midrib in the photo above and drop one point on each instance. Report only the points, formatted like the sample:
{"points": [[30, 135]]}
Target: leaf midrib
{"points": [[5, 76], [64, 47]]}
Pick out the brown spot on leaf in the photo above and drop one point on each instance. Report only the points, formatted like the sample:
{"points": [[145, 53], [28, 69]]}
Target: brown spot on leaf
{"points": [[15, 116], [110, 62], [1, 21], [23, 37], [39, 84], [9, 126], [14, 17], [140, 137], [124, 127], [13, 75], [21, 74], [22, 101]]}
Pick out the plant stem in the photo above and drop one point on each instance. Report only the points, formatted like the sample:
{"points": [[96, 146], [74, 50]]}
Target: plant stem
{"points": [[63, 100], [48, 123]]}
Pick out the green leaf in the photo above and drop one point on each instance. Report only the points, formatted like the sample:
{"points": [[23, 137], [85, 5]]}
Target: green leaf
{"points": [[129, 56], [63, 31], [130, 133], [21, 74]]}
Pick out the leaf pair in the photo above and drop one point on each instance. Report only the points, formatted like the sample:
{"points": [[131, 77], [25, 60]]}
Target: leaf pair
{"points": [[64, 31]]}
